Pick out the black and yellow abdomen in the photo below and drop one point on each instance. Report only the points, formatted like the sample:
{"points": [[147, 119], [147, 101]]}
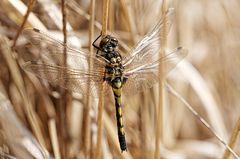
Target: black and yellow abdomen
{"points": [[117, 90]]}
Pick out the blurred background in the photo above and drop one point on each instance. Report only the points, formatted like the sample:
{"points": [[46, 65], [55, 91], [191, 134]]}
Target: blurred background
{"points": [[37, 121]]}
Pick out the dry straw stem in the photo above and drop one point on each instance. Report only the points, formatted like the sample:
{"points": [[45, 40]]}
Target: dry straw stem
{"points": [[14, 135], [106, 4], [77, 8], [129, 17], [87, 132], [17, 78], [22, 9], [48, 104], [55, 13], [99, 124], [50, 111], [159, 106], [111, 133], [30, 6], [171, 90], [100, 104], [233, 139], [54, 138], [64, 101], [64, 28]]}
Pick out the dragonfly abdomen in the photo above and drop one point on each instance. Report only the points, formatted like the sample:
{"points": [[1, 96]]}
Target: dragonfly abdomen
{"points": [[117, 90]]}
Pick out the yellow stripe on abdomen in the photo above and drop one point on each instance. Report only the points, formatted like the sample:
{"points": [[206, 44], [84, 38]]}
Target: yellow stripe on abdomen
{"points": [[121, 134]]}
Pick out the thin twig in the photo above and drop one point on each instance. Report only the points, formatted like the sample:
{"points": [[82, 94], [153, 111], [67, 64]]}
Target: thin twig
{"points": [[30, 6], [205, 123]]}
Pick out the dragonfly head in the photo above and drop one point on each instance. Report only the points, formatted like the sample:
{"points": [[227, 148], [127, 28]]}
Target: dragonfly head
{"points": [[108, 43]]}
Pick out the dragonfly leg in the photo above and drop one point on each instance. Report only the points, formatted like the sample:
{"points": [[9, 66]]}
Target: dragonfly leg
{"points": [[94, 43]]}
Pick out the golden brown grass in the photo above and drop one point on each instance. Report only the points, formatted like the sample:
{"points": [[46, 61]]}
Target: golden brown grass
{"points": [[208, 79]]}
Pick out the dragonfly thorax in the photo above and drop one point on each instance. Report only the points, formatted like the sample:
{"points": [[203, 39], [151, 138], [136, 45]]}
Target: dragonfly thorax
{"points": [[113, 73], [114, 58], [107, 49]]}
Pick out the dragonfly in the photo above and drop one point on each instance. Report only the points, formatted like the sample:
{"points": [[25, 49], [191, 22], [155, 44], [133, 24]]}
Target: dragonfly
{"points": [[127, 74]]}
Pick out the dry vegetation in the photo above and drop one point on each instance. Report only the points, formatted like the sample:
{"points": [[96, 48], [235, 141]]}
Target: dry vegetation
{"points": [[39, 120]]}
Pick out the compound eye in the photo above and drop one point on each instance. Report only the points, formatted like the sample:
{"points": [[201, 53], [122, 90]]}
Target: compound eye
{"points": [[114, 42], [104, 41], [113, 60]]}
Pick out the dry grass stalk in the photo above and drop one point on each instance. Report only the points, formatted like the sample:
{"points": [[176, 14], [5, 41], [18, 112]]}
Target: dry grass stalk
{"points": [[202, 120], [17, 78]]}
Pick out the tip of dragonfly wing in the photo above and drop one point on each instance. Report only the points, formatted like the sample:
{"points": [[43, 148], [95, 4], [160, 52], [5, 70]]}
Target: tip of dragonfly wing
{"points": [[180, 48], [35, 29], [183, 51]]}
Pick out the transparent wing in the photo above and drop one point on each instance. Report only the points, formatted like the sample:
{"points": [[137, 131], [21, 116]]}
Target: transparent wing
{"points": [[71, 79], [143, 77], [51, 48], [77, 76], [146, 51]]}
